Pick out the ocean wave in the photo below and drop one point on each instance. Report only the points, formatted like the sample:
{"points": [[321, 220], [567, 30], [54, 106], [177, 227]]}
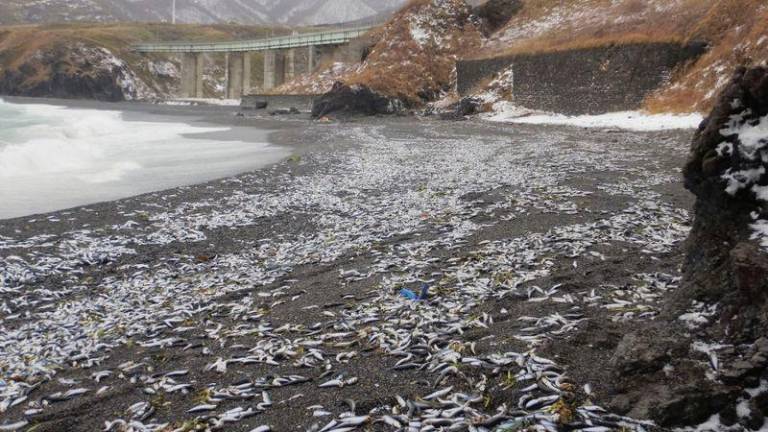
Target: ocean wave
{"points": [[93, 155]]}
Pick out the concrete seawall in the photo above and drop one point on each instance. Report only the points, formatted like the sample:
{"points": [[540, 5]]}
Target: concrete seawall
{"points": [[583, 81], [276, 102]]}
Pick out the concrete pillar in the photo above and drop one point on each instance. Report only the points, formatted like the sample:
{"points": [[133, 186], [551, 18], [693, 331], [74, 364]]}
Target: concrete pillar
{"points": [[235, 73], [270, 58], [199, 65], [227, 78], [192, 75], [274, 69], [290, 64], [246, 73], [311, 59]]}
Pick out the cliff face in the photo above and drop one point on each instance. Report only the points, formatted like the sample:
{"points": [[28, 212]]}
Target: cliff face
{"points": [[728, 173], [76, 71]]}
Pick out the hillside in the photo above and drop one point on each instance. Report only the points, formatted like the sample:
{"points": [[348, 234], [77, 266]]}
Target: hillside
{"points": [[734, 29], [413, 56], [94, 61], [293, 12], [402, 66]]}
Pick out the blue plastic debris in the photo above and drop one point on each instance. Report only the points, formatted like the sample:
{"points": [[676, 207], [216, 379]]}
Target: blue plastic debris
{"points": [[410, 295], [424, 292]]}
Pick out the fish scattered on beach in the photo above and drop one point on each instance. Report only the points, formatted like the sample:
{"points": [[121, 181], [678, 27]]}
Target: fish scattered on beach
{"points": [[410, 222]]}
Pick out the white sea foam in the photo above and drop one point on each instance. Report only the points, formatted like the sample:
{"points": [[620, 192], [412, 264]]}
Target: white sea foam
{"points": [[55, 157]]}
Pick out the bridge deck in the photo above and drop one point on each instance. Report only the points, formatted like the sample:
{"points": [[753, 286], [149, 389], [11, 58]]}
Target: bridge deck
{"points": [[282, 42]]}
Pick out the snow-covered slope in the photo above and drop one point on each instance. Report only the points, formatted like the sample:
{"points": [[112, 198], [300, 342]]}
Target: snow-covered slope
{"points": [[295, 12]]}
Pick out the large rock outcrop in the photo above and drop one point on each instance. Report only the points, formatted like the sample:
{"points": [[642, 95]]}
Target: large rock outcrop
{"points": [[75, 71], [497, 13], [706, 349], [706, 353], [728, 173], [354, 100]]}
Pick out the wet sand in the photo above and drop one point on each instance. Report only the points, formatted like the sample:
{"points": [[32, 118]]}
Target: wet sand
{"points": [[273, 273]]}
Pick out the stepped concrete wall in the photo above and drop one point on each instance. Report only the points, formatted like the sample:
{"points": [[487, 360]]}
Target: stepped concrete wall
{"points": [[582, 81]]}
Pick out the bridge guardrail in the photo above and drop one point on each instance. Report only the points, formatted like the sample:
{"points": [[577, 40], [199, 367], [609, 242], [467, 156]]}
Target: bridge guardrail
{"points": [[280, 42]]}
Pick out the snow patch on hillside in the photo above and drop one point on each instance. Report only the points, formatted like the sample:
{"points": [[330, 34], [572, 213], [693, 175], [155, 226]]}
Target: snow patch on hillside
{"points": [[506, 112]]}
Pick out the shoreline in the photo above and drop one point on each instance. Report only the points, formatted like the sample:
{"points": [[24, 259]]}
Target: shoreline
{"points": [[268, 131]]}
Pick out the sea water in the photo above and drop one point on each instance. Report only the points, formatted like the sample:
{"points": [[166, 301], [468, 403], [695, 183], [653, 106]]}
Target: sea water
{"points": [[53, 157]]}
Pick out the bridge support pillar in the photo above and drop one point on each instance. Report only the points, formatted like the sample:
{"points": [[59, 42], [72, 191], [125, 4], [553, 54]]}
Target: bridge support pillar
{"points": [[311, 58], [290, 64], [274, 69], [192, 75], [238, 68]]}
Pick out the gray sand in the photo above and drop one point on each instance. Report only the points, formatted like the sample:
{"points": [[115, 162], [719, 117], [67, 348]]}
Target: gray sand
{"points": [[291, 232]]}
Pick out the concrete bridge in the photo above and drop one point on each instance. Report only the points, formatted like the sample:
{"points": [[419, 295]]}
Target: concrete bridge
{"points": [[280, 58]]}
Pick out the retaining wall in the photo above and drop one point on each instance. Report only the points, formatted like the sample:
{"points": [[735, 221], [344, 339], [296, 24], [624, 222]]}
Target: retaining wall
{"points": [[583, 81]]}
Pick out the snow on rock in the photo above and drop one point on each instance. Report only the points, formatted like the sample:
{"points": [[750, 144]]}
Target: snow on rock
{"points": [[164, 68], [132, 87], [75, 70]]}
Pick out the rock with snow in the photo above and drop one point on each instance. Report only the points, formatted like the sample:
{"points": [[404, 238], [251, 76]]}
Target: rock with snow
{"points": [[75, 71], [727, 247]]}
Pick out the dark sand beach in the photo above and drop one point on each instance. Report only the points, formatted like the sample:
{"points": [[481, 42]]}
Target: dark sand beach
{"points": [[228, 304]]}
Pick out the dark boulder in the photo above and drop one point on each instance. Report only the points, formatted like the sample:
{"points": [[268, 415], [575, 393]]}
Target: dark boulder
{"points": [[285, 111], [496, 13], [355, 100], [465, 107], [100, 86], [642, 353], [689, 405]]}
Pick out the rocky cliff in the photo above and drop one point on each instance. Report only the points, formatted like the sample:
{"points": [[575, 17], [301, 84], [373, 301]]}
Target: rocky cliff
{"points": [[96, 62], [76, 71], [728, 172]]}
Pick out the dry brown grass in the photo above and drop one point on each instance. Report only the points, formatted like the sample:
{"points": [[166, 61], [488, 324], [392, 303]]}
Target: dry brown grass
{"points": [[591, 23], [402, 67], [732, 27], [17, 43], [546, 44]]}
